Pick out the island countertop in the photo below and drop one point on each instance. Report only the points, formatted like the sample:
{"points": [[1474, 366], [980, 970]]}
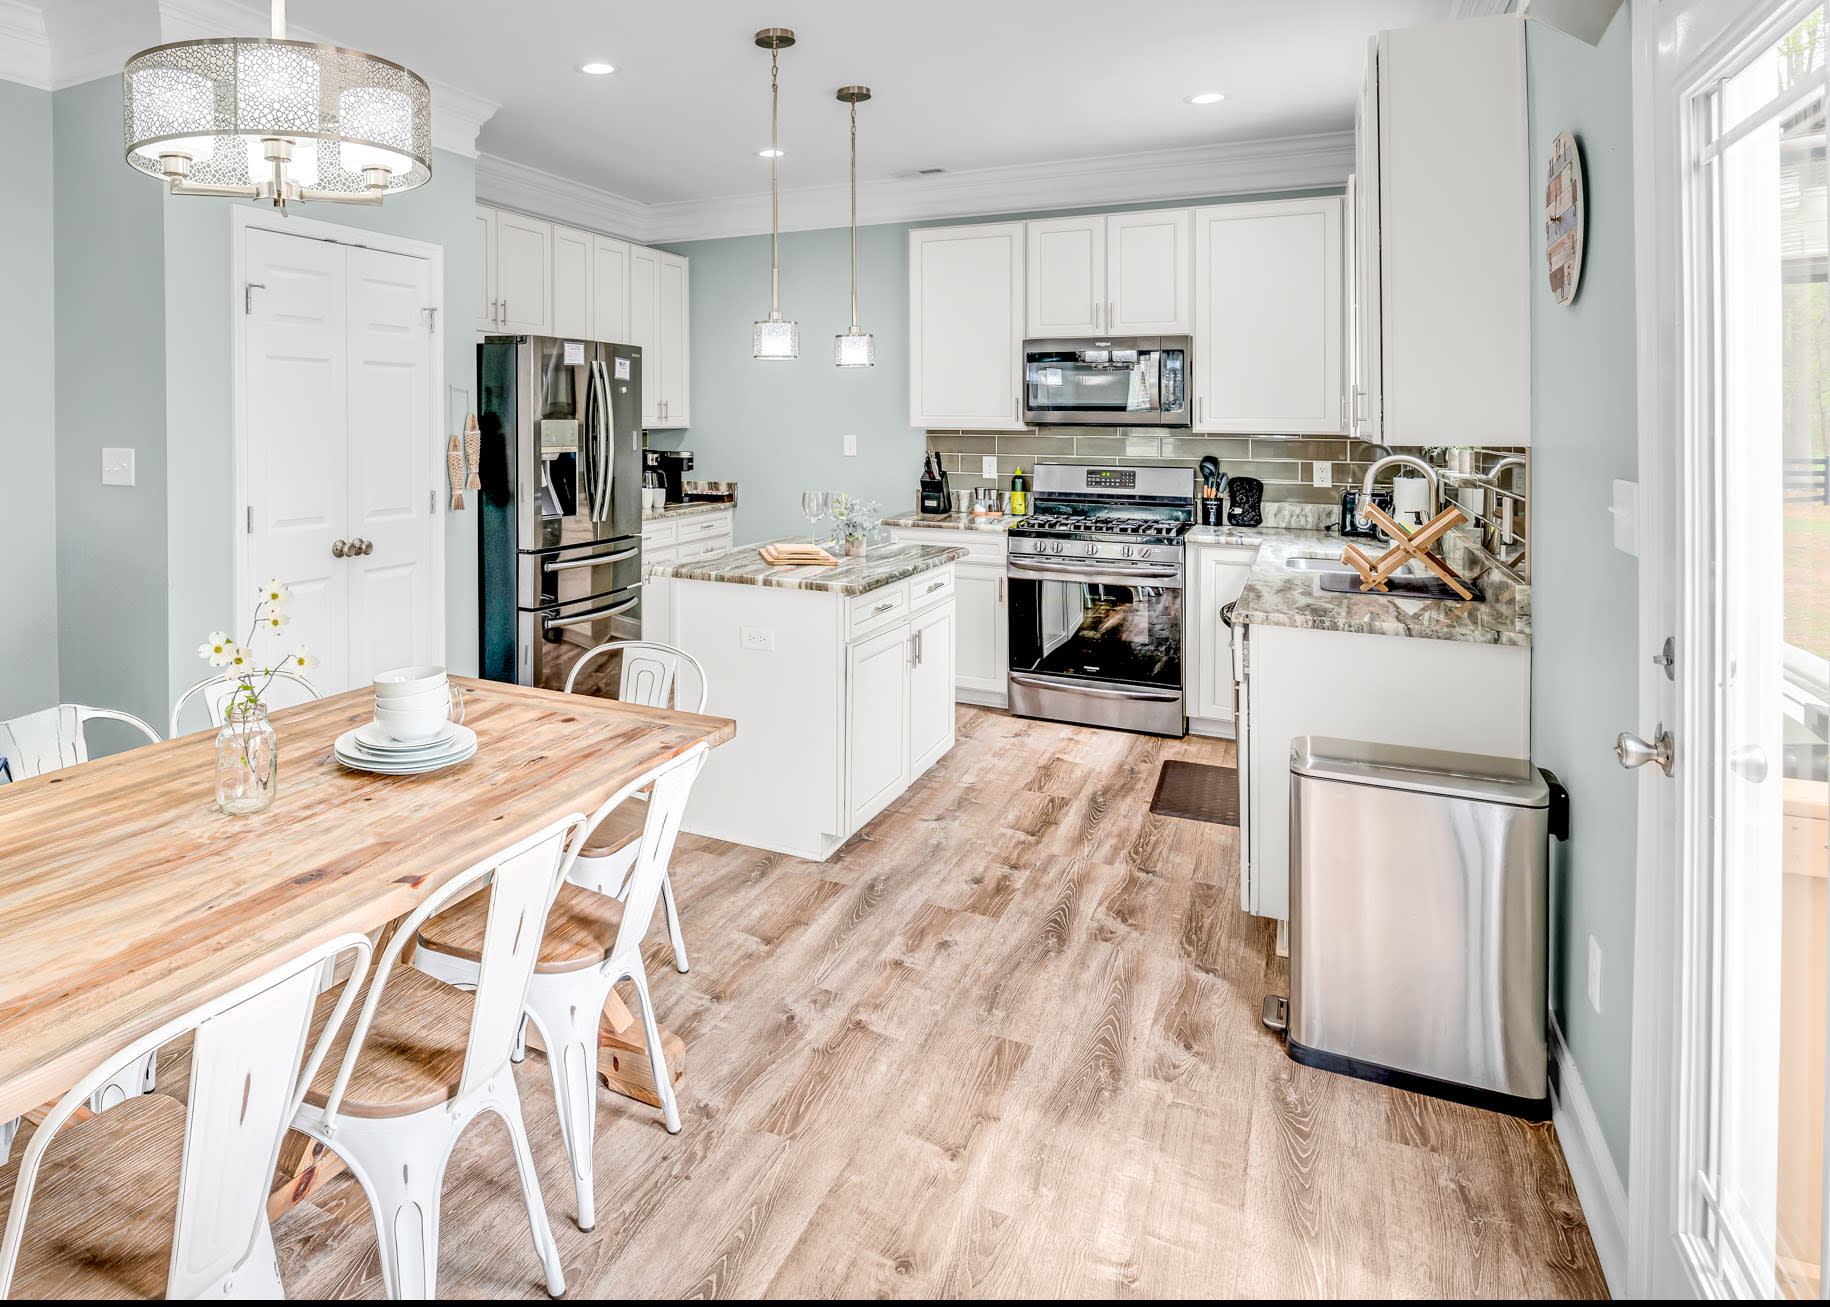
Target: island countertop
{"points": [[883, 564], [951, 521]]}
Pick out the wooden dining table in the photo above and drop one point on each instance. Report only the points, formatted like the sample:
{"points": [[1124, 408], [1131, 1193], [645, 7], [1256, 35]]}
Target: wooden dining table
{"points": [[127, 897]]}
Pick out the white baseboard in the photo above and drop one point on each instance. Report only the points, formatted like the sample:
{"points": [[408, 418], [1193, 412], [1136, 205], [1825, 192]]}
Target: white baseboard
{"points": [[1220, 728], [1591, 1165], [982, 698]]}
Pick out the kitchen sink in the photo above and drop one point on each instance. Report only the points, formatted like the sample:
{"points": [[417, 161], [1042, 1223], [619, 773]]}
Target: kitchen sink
{"points": [[1338, 578]]}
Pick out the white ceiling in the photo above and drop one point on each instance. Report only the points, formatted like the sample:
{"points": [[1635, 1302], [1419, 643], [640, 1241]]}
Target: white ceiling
{"points": [[959, 84]]}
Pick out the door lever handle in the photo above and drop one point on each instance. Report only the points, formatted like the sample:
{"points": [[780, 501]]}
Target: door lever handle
{"points": [[1635, 752]]}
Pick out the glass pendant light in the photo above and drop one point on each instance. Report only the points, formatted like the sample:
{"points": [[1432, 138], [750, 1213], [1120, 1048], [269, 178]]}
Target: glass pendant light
{"points": [[270, 119], [854, 348], [772, 338]]}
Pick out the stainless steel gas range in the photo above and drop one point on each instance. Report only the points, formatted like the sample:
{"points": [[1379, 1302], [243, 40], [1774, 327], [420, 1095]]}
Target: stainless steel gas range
{"points": [[1096, 574]]}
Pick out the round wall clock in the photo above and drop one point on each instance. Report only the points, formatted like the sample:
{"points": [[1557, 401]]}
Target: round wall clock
{"points": [[1565, 203]]}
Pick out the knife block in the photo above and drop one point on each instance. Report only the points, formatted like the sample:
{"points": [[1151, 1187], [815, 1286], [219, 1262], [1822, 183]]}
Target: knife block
{"points": [[934, 497]]}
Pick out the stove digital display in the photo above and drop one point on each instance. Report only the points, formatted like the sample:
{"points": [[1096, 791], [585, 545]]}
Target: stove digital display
{"points": [[1111, 478]]}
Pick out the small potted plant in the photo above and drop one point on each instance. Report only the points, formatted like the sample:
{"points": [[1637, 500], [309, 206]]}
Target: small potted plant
{"points": [[853, 520], [247, 747]]}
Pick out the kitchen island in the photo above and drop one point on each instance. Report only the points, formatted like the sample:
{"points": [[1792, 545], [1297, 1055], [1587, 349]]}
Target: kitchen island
{"points": [[840, 678]]}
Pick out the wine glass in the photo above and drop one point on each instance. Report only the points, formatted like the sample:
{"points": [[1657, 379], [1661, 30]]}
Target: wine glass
{"points": [[815, 504]]}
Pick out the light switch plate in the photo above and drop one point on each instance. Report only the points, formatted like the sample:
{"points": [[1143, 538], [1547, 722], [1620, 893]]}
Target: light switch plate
{"points": [[1323, 475], [851, 444], [988, 466], [1625, 509], [117, 467]]}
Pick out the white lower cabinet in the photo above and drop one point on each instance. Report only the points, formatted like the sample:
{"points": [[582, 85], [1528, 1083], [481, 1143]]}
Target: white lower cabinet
{"points": [[877, 710], [1216, 575], [671, 539], [931, 716], [981, 632]]}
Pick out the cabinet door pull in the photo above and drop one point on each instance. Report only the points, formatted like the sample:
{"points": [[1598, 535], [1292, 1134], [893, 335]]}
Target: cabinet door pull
{"points": [[935, 585], [1000, 589], [883, 607]]}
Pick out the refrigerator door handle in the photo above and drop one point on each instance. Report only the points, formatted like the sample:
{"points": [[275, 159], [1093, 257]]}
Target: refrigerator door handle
{"points": [[590, 615], [595, 560]]}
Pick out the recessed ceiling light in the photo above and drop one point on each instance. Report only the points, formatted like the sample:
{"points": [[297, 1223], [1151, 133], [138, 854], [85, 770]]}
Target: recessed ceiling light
{"points": [[597, 69], [1206, 97], [768, 154]]}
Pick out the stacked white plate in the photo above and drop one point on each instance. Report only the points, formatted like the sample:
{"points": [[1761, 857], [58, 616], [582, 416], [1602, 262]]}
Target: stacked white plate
{"points": [[369, 748]]}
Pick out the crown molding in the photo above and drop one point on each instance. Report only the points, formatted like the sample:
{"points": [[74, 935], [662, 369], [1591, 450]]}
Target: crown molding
{"points": [[25, 47], [457, 114], [1235, 168], [510, 185], [1480, 8]]}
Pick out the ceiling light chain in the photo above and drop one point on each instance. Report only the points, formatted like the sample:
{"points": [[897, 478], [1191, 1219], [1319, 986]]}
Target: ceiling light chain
{"points": [[773, 338]]}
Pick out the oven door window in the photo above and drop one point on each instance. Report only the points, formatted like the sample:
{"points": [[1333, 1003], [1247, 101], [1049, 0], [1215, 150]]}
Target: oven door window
{"points": [[1094, 381], [1097, 631]]}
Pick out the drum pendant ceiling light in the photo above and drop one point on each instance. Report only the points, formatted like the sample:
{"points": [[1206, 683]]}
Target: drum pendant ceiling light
{"points": [[773, 338], [854, 348], [270, 119]]}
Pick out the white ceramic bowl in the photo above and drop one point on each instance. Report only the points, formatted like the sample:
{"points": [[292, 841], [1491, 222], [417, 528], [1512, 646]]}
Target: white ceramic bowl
{"points": [[404, 681], [412, 726], [438, 697]]}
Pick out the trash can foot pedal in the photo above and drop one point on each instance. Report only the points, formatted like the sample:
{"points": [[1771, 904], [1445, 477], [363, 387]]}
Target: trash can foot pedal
{"points": [[1276, 1013]]}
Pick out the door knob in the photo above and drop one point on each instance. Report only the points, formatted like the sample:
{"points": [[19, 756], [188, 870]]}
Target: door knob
{"points": [[1749, 763], [1635, 752], [360, 546], [339, 548]]}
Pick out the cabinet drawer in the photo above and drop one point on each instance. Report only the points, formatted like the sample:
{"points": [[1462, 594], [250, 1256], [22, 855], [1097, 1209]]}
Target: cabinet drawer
{"points": [[706, 524], [980, 546], [662, 557], [878, 609], [659, 533], [930, 587], [700, 548]]}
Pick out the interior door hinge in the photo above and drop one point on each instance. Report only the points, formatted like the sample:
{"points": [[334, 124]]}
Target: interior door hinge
{"points": [[247, 295], [250, 519], [431, 320]]}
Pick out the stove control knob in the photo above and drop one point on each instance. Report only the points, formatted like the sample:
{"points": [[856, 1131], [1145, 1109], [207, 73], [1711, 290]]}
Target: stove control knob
{"points": [[1092, 548], [1127, 551], [1143, 552], [1057, 546]]}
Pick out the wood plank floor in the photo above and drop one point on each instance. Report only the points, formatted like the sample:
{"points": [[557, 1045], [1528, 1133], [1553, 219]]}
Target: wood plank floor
{"points": [[1006, 1042]]}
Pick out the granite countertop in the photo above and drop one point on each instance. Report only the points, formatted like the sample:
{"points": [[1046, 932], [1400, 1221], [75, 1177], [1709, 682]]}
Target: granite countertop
{"points": [[1274, 595], [882, 565], [950, 521], [691, 508]]}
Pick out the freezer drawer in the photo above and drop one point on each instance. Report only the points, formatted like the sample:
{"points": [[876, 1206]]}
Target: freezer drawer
{"points": [[1418, 920]]}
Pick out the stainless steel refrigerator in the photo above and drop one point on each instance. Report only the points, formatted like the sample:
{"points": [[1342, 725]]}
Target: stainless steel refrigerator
{"points": [[561, 513]]}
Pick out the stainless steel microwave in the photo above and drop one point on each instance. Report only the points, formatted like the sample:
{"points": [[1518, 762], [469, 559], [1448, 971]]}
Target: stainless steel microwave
{"points": [[1124, 381]]}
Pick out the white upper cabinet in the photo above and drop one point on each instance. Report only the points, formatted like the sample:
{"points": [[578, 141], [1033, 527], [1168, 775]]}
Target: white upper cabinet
{"points": [[1067, 276], [524, 273], [1454, 226], [487, 303], [966, 320], [644, 279], [610, 289], [1366, 396], [1149, 273], [1269, 317], [669, 363], [572, 283]]}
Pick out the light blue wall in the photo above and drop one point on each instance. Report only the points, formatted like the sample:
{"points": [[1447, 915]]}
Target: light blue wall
{"points": [[110, 370], [1584, 650], [778, 428], [28, 435], [198, 309]]}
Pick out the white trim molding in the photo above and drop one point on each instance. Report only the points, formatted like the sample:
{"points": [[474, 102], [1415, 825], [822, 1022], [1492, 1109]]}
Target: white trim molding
{"points": [[1291, 163], [25, 48], [1480, 8], [1591, 1165]]}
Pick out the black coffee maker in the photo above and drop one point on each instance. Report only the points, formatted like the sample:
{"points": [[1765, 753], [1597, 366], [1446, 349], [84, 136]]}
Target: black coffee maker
{"points": [[673, 465]]}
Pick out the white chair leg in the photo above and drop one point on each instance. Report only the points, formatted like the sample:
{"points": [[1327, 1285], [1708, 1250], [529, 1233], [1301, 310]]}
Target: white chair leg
{"points": [[566, 1012], [505, 1101], [657, 1056], [9, 1130], [672, 913], [520, 1054], [403, 1172]]}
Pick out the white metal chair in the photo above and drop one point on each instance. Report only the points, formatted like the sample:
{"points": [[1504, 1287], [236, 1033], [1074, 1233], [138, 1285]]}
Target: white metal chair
{"points": [[651, 678], [30, 746], [218, 690], [591, 943], [424, 1059], [122, 1187]]}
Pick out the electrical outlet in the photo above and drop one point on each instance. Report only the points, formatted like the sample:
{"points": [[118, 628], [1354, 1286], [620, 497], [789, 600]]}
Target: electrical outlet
{"points": [[1595, 974], [851, 445], [758, 637], [1323, 475], [117, 467], [988, 467]]}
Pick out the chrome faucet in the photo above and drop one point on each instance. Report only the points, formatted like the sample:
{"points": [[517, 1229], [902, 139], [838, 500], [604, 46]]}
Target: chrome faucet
{"points": [[1501, 505], [1415, 464]]}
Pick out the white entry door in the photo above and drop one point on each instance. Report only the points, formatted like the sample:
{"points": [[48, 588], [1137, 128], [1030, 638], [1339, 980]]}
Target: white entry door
{"points": [[1730, 985], [337, 435]]}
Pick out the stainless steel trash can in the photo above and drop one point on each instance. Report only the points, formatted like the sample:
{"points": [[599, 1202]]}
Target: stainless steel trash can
{"points": [[1418, 919]]}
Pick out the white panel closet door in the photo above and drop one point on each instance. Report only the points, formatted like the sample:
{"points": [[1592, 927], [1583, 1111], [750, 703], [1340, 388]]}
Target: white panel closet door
{"points": [[297, 462], [392, 589]]}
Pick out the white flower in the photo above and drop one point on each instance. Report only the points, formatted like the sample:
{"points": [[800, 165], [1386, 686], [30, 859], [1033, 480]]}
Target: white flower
{"points": [[274, 619], [239, 659], [216, 649], [276, 592], [301, 660]]}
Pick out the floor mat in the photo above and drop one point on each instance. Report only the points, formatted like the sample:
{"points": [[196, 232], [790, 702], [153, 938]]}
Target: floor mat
{"points": [[1198, 792]]}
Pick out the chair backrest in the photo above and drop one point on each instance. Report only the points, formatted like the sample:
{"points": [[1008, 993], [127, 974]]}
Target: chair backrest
{"points": [[54, 737], [218, 690], [524, 879], [246, 1084], [650, 674], [672, 785]]}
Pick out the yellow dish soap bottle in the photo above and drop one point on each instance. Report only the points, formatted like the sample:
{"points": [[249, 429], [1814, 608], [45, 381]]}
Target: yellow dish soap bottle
{"points": [[1019, 494]]}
